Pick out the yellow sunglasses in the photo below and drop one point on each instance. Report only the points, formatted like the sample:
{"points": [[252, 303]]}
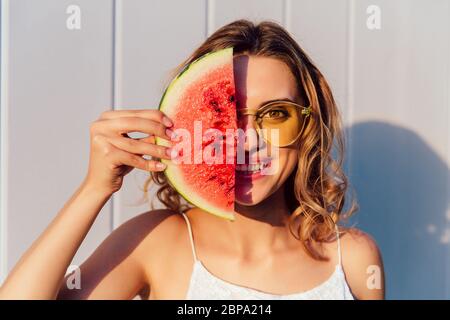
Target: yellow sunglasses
{"points": [[285, 116]]}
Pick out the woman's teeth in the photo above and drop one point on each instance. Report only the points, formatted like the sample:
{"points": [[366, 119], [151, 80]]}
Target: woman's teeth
{"points": [[251, 168]]}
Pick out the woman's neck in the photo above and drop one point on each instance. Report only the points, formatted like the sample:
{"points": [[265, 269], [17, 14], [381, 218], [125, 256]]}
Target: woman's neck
{"points": [[261, 227], [273, 210]]}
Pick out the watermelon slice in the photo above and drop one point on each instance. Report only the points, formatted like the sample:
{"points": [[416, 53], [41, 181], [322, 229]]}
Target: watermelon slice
{"points": [[204, 93]]}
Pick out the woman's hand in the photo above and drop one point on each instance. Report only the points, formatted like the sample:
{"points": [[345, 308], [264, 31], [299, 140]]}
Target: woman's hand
{"points": [[113, 154]]}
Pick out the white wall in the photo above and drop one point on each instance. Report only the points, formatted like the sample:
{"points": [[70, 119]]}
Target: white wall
{"points": [[392, 85]]}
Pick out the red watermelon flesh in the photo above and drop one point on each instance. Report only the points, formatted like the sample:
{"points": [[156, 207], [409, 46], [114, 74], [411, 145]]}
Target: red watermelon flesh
{"points": [[204, 91]]}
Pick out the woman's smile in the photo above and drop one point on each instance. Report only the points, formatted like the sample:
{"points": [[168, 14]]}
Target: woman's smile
{"points": [[251, 172]]}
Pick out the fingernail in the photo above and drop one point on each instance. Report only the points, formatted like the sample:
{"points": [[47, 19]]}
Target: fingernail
{"points": [[166, 121], [169, 133], [160, 166], [169, 152]]}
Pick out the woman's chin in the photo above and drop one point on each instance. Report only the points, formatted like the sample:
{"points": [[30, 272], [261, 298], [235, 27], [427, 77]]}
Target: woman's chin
{"points": [[246, 198], [242, 203]]}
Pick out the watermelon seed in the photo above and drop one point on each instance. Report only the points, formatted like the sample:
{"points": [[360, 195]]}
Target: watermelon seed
{"points": [[218, 123], [229, 190]]}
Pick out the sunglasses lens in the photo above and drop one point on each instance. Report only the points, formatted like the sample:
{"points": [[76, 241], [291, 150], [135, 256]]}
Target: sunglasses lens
{"points": [[281, 123]]}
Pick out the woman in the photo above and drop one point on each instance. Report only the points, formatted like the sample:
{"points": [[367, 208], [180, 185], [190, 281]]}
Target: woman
{"points": [[284, 243]]}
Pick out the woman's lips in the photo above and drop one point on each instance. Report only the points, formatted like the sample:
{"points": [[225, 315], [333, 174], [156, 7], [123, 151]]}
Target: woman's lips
{"points": [[246, 173]]}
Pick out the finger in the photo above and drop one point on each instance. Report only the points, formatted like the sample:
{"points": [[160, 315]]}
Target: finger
{"points": [[155, 115], [148, 139], [121, 157], [133, 124], [140, 147], [152, 139]]}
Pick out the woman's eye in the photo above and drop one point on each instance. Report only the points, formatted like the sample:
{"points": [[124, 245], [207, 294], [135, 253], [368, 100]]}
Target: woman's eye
{"points": [[275, 114]]}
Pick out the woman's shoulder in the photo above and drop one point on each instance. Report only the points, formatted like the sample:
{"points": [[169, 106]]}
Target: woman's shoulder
{"points": [[358, 242], [153, 234], [362, 263], [127, 254], [141, 235], [154, 226]]}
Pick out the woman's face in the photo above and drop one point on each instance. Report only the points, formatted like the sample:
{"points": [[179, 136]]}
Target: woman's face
{"points": [[257, 80]]}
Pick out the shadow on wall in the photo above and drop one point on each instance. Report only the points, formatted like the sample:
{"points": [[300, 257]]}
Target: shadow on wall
{"points": [[402, 188]]}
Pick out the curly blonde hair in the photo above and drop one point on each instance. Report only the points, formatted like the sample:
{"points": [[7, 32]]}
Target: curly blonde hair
{"points": [[316, 190]]}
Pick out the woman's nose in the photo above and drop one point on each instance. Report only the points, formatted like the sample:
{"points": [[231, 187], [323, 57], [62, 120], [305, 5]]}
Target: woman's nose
{"points": [[248, 135]]}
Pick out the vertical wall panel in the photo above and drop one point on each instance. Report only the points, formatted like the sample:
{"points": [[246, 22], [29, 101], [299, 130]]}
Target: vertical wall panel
{"points": [[4, 44], [399, 145], [320, 27], [223, 12], [153, 37], [58, 82]]}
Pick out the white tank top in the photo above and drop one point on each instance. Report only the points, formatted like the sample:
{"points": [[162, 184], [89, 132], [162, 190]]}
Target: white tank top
{"points": [[204, 285]]}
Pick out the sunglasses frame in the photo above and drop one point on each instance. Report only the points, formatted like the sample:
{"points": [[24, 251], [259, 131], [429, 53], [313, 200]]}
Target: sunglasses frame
{"points": [[247, 112]]}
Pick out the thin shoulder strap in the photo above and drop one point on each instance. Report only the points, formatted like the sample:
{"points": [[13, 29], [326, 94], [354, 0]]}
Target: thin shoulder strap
{"points": [[190, 236], [338, 244]]}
